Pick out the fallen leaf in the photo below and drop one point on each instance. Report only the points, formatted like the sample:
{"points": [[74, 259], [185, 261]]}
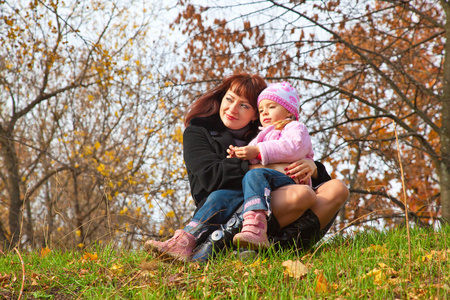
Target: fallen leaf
{"points": [[117, 269], [378, 276], [322, 284], [375, 248], [438, 255], [385, 273], [148, 265], [257, 263], [89, 256], [5, 277], [174, 278], [295, 269], [45, 251], [83, 272]]}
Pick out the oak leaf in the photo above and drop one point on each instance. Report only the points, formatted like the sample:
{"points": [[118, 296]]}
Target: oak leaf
{"points": [[295, 269]]}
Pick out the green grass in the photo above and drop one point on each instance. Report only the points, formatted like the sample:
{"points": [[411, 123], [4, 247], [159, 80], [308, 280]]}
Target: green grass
{"points": [[369, 265]]}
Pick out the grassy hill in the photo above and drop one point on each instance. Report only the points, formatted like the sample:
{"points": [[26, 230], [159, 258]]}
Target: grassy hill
{"points": [[367, 265]]}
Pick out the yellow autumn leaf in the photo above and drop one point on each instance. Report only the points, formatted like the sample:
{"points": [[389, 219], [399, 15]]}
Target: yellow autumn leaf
{"points": [[90, 256], [97, 145], [45, 251], [80, 245], [130, 165], [116, 269], [295, 269], [170, 214], [78, 232], [257, 263]]}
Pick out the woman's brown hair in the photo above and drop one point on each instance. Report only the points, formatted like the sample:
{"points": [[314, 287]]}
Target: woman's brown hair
{"points": [[243, 85]]}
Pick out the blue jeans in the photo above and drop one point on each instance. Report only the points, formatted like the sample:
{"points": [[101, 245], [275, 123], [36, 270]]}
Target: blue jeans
{"points": [[217, 209], [257, 186], [221, 204]]}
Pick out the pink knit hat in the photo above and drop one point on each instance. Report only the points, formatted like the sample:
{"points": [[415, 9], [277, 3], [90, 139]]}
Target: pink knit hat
{"points": [[284, 94]]}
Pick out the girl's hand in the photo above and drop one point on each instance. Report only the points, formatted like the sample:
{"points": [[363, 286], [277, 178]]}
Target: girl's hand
{"points": [[302, 170], [247, 152]]}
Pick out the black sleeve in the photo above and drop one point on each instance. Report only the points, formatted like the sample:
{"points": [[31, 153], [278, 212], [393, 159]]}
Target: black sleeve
{"points": [[322, 177], [208, 164]]}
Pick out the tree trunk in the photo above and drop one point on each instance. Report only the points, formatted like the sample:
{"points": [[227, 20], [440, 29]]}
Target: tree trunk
{"points": [[9, 155], [78, 216], [30, 225], [50, 216], [444, 166]]}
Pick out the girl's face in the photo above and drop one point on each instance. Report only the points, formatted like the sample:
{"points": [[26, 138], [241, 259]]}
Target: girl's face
{"points": [[235, 111], [270, 112]]}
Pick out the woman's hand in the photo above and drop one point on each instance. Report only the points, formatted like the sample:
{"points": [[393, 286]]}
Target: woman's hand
{"points": [[231, 152], [302, 170]]}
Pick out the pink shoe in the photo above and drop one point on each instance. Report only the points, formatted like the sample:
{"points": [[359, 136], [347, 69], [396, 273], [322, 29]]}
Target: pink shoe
{"points": [[254, 231], [180, 246]]}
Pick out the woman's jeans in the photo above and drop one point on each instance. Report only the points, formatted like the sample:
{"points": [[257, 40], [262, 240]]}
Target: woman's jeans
{"points": [[221, 204], [217, 209]]}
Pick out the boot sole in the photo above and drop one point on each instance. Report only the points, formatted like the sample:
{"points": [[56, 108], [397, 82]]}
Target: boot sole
{"points": [[251, 245], [164, 255]]}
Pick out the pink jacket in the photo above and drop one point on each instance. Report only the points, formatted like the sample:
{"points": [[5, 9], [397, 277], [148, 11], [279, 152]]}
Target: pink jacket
{"points": [[283, 146]]}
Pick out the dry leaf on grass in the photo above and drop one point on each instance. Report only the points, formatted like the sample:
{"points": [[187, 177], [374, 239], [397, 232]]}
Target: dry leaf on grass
{"points": [[322, 283], [436, 255], [117, 269], [89, 257], [45, 251], [295, 269], [381, 275], [4, 278], [375, 248]]}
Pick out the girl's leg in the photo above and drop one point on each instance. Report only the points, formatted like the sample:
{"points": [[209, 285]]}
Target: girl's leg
{"points": [[257, 185]]}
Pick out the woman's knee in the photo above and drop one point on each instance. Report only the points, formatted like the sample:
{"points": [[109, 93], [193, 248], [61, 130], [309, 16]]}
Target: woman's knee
{"points": [[341, 190], [300, 197], [335, 191]]}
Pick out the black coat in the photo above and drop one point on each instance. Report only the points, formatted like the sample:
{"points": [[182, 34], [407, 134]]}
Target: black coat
{"points": [[205, 142]]}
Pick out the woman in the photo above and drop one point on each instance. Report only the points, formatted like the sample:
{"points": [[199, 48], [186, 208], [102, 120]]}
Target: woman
{"points": [[224, 116]]}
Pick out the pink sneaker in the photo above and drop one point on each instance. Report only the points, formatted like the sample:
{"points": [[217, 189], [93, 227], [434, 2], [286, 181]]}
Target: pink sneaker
{"points": [[254, 231], [180, 246]]}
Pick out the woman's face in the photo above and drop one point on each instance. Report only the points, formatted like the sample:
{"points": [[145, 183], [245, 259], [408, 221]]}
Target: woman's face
{"points": [[235, 111]]}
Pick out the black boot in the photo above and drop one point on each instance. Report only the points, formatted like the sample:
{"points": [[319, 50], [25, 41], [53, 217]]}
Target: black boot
{"points": [[302, 233], [219, 239]]}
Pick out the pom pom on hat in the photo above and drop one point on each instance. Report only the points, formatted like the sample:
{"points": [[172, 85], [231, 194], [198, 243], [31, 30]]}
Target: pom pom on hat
{"points": [[284, 94]]}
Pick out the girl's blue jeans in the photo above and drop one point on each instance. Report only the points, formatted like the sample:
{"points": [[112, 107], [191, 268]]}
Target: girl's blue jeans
{"points": [[255, 195]]}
